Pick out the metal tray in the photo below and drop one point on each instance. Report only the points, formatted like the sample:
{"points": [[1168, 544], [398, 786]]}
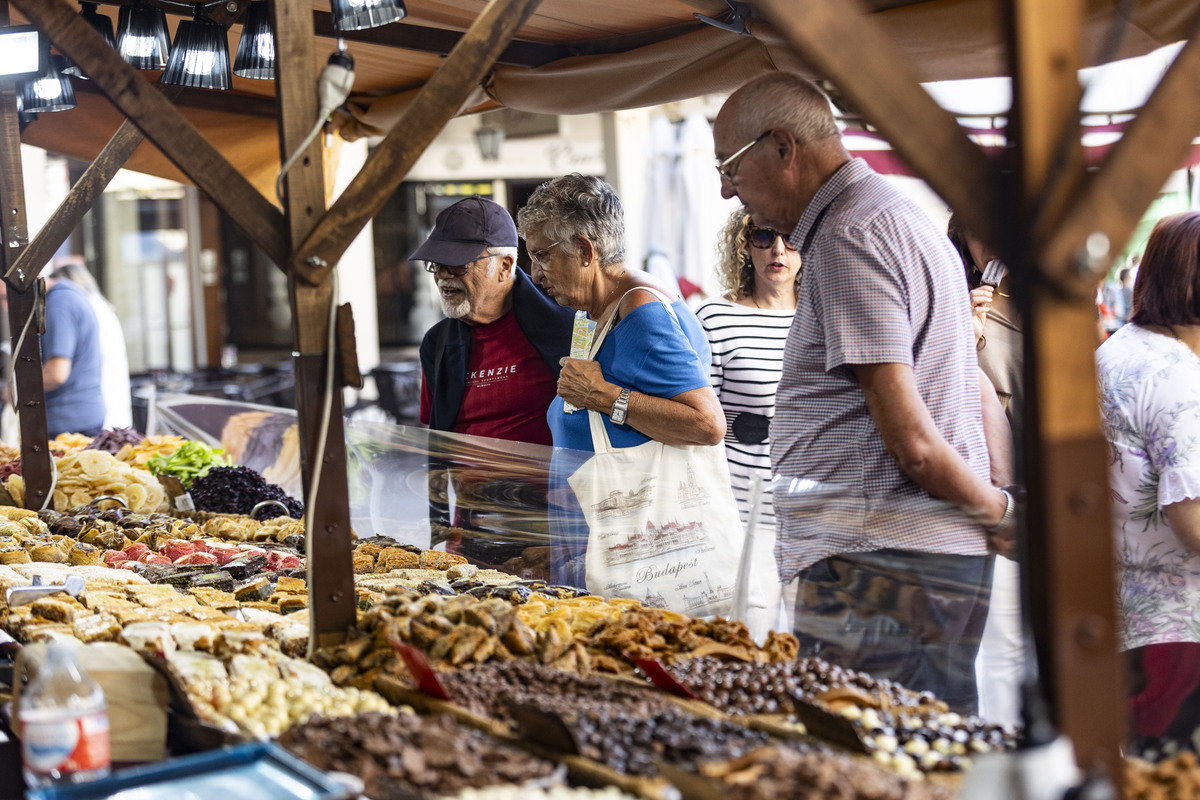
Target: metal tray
{"points": [[255, 771]]}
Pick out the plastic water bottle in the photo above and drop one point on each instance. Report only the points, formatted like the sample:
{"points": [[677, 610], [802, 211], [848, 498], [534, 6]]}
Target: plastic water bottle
{"points": [[64, 722]]}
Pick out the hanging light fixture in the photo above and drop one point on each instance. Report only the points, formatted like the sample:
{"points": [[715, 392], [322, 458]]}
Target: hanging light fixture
{"points": [[199, 54], [103, 26], [142, 37], [50, 91], [355, 15], [256, 49]]}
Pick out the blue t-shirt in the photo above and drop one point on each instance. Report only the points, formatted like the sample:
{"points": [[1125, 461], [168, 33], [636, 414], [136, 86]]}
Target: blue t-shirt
{"points": [[650, 351], [72, 332]]}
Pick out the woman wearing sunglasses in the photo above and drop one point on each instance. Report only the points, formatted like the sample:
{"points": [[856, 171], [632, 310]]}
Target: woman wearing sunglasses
{"points": [[746, 328]]}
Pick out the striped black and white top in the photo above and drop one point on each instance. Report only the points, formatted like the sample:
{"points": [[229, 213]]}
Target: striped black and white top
{"points": [[747, 358]]}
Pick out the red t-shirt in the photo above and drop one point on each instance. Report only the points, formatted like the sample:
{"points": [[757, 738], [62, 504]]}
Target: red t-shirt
{"points": [[509, 387]]}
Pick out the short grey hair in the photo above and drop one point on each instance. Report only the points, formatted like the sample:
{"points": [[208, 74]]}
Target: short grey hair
{"points": [[785, 100], [577, 205], [505, 251]]}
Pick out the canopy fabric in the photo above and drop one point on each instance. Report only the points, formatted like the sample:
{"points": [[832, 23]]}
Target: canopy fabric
{"points": [[580, 56]]}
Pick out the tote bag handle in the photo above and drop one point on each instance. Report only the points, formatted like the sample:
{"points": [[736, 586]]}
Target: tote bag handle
{"points": [[600, 441]]}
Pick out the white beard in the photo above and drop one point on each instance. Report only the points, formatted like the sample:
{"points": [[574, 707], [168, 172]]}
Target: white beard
{"points": [[458, 307]]}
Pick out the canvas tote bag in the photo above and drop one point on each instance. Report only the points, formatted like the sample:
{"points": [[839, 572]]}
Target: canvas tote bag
{"points": [[663, 524]]}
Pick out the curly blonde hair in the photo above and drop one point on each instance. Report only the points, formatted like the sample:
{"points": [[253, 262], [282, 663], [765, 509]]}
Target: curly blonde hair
{"points": [[735, 270]]}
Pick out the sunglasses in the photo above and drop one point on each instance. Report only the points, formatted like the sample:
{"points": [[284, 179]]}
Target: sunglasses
{"points": [[764, 238]]}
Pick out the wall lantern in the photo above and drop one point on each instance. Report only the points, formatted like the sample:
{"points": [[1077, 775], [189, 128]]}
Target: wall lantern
{"points": [[489, 139]]}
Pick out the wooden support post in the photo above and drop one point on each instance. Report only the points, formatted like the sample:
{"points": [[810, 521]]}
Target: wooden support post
{"points": [[27, 359], [1069, 563], [437, 102], [331, 600], [163, 124]]}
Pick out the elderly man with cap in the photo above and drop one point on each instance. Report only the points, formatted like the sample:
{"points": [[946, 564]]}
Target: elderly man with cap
{"points": [[491, 367]]}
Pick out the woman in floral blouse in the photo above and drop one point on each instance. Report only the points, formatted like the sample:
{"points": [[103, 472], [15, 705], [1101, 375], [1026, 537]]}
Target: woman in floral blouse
{"points": [[1149, 374]]}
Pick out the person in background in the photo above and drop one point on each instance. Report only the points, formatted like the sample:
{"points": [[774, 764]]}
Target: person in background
{"points": [[650, 378], [746, 329], [1000, 665], [71, 361], [490, 368], [879, 401], [1149, 385], [114, 358], [1126, 276]]}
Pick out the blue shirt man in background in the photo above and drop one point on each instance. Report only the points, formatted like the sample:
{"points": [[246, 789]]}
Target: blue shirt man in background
{"points": [[71, 362]]}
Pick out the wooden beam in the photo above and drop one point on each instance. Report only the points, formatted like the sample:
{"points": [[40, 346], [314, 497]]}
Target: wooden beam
{"points": [[331, 600], [27, 358], [163, 125], [77, 203], [1067, 553], [844, 45], [436, 103], [1153, 146], [424, 39]]}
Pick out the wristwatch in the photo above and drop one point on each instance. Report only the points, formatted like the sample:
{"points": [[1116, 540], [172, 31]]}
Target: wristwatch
{"points": [[620, 408], [1010, 511]]}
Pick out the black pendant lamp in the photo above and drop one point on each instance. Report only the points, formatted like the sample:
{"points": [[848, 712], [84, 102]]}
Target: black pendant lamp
{"points": [[355, 15], [102, 25], [142, 38], [50, 91], [199, 54], [256, 49]]}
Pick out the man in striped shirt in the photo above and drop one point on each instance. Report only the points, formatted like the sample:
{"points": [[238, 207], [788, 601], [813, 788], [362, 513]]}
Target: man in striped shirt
{"points": [[886, 508]]}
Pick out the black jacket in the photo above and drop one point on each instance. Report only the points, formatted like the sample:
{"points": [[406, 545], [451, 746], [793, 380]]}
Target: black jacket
{"points": [[446, 348]]}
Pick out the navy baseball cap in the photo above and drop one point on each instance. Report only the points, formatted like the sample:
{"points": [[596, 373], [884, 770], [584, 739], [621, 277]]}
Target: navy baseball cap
{"points": [[462, 231]]}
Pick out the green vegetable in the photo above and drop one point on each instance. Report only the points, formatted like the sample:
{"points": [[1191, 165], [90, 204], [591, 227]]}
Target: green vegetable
{"points": [[190, 461]]}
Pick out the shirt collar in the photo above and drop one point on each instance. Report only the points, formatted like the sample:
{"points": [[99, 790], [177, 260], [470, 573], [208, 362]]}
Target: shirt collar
{"points": [[848, 173]]}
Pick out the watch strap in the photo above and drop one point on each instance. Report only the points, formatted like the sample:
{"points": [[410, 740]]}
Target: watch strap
{"points": [[620, 408]]}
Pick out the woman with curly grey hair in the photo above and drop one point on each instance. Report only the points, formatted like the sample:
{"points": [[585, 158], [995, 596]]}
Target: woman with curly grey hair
{"points": [[648, 381]]}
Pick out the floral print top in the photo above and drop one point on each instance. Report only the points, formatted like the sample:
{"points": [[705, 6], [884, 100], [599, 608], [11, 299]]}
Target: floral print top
{"points": [[1150, 404]]}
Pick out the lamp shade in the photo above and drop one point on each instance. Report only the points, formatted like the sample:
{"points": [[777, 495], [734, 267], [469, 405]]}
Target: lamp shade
{"points": [[142, 38], [50, 91], [103, 26], [256, 49], [199, 56], [355, 15]]}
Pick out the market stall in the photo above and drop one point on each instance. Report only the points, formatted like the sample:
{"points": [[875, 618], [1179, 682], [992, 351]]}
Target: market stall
{"points": [[1052, 221]]}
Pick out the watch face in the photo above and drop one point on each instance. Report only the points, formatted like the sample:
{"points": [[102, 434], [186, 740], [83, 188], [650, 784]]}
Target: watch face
{"points": [[618, 415]]}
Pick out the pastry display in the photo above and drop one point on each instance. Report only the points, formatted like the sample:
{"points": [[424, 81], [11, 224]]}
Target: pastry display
{"points": [[775, 772], [1174, 778], [489, 690], [86, 475], [404, 756], [904, 729]]}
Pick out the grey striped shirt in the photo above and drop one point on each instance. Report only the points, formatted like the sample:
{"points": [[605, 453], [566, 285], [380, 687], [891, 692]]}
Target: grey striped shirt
{"points": [[881, 285]]}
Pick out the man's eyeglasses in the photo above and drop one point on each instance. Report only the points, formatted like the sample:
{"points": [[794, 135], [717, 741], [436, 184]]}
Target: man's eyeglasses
{"points": [[764, 238], [539, 257], [454, 272], [726, 167]]}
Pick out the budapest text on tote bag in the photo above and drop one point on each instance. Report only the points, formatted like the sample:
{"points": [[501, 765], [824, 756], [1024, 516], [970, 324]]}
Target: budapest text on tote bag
{"points": [[663, 524]]}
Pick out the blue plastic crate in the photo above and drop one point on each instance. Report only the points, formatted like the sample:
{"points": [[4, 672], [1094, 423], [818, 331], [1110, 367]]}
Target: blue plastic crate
{"points": [[255, 771]]}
